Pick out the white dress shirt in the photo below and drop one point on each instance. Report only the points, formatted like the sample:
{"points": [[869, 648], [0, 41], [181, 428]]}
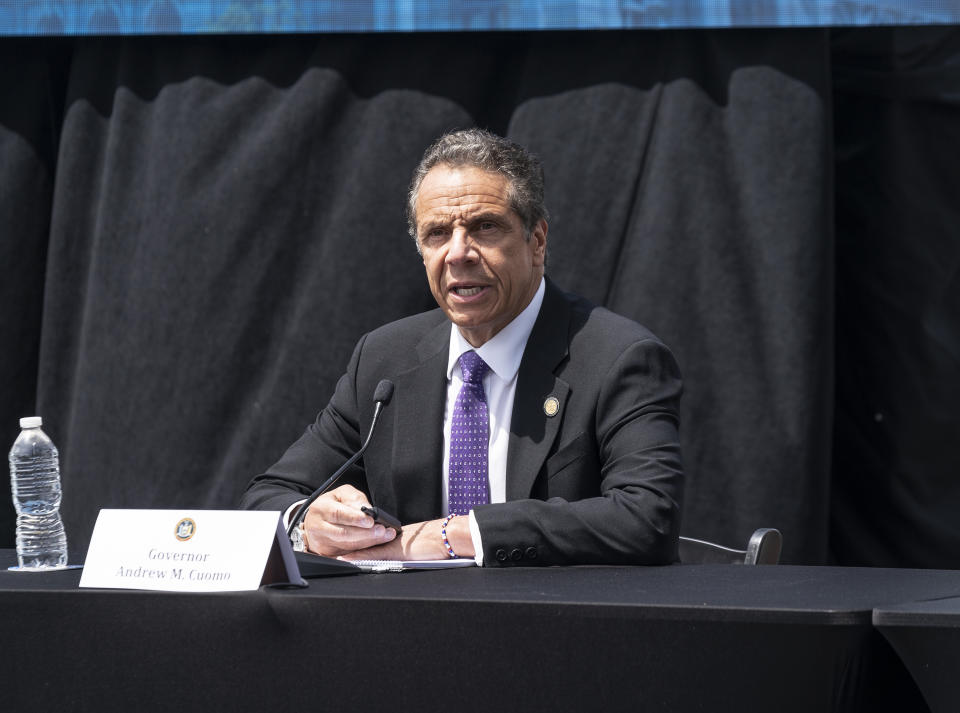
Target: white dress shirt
{"points": [[502, 353]]}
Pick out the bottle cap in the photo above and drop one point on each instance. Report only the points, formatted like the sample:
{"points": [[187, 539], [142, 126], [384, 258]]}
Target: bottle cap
{"points": [[31, 422]]}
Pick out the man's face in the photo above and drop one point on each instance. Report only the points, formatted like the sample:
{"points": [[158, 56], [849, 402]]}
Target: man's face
{"points": [[481, 268]]}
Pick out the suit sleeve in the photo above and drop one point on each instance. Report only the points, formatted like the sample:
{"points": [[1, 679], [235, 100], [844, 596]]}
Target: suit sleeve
{"points": [[317, 454], [629, 466]]}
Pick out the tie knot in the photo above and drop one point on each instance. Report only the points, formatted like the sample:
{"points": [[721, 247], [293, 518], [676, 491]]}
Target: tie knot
{"points": [[473, 368]]}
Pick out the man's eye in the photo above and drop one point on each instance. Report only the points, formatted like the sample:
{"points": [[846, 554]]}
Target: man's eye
{"points": [[488, 225]]}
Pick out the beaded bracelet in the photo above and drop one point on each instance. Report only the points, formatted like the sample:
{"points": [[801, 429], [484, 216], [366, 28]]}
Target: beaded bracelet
{"points": [[443, 533]]}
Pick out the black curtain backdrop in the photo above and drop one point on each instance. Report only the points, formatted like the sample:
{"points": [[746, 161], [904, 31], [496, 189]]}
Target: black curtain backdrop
{"points": [[197, 230], [896, 465]]}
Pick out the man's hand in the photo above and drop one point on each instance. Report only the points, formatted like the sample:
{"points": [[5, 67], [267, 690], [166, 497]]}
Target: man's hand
{"points": [[335, 525], [421, 541]]}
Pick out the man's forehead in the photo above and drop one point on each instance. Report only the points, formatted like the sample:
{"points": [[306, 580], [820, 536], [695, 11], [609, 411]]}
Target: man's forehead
{"points": [[447, 191], [465, 204], [454, 185]]}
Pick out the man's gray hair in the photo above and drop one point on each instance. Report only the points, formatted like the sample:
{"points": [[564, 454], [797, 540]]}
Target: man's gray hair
{"points": [[487, 151]]}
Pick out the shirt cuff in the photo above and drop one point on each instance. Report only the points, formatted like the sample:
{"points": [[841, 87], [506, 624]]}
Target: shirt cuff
{"points": [[288, 513], [477, 542]]}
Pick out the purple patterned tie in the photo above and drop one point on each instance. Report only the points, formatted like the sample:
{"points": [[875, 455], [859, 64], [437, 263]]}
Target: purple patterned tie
{"points": [[469, 434]]}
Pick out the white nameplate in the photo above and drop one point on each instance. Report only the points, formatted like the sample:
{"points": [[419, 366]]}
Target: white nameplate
{"points": [[188, 551]]}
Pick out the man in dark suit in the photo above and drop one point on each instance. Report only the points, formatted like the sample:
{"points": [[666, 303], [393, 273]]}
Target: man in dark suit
{"points": [[527, 425]]}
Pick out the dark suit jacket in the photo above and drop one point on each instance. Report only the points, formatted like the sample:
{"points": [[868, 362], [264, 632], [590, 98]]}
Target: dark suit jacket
{"points": [[598, 482]]}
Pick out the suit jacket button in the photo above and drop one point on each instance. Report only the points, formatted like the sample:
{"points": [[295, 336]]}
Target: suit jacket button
{"points": [[531, 553], [516, 555], [501, 555]]}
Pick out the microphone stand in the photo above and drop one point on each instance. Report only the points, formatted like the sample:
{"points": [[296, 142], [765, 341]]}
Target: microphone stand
{"points": [[382, 396]]}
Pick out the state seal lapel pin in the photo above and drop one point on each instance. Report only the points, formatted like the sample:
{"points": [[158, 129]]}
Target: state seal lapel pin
{"points": [[551, 406]]}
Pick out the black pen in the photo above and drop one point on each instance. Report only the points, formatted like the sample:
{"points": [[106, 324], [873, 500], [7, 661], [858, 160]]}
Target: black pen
{"points": [[383, 517]]}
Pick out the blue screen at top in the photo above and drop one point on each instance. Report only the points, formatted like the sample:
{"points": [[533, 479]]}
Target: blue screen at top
{"points": [[118, 17]]}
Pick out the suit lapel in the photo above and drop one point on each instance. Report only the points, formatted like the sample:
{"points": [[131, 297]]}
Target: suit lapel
{"points": [[420, 396], [532, 431]]}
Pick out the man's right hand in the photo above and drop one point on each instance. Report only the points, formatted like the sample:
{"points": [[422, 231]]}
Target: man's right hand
{"points": [[335, 525]]}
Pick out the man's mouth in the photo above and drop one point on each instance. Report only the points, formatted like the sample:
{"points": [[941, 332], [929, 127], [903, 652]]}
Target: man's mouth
{"points": [[467, 290]]}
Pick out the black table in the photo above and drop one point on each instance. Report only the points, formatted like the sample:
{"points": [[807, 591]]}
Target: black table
{"points": [[926, 636], [682, 638]]}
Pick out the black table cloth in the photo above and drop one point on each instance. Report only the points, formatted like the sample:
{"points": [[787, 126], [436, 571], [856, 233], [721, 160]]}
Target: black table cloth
{"points": [[681, 638], [926, 636]]}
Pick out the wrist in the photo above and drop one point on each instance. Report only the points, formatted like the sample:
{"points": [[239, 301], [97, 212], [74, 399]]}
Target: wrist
{"points": [[444, 524], [457, 531]]}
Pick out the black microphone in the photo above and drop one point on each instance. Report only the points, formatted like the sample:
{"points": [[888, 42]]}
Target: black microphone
{"points": [[381, 397]]}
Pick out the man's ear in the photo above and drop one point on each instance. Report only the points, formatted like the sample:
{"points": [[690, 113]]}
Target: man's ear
{"points": [[539, 237]]}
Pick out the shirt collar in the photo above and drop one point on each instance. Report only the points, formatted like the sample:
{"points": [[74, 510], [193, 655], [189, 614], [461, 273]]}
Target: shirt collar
{"points": [[504, 350]]}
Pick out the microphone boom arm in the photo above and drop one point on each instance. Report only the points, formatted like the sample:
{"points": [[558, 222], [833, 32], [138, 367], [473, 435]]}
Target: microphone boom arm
{"points": [[302, 512]]}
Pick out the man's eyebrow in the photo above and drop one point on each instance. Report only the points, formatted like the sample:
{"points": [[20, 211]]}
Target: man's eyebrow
{"points": [[485, 217], [427, 227], [490, 216]]}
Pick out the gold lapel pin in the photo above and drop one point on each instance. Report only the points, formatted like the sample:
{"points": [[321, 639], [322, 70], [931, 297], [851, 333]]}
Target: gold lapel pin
{"points": [[551, 406]]}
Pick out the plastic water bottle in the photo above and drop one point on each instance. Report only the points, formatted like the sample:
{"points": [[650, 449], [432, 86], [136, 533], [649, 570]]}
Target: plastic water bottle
{"points": [[35, 481]]}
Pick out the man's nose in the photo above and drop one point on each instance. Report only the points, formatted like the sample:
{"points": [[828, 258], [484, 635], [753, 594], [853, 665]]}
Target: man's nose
{"points": [[461, 247]]}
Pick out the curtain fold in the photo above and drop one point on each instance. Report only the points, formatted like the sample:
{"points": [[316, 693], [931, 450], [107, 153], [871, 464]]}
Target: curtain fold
{"points": [[31, 89]]}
